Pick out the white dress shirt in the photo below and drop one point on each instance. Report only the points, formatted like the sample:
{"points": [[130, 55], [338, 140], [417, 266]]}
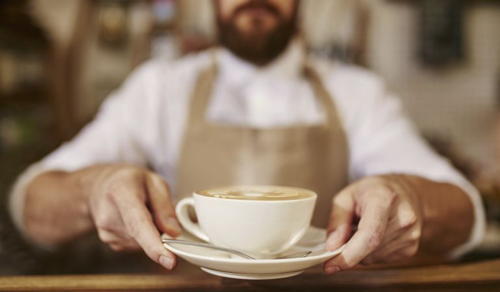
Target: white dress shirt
{"points": [[143, 122]]}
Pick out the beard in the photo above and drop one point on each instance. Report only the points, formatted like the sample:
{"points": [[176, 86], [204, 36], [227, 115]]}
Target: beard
{"points": [[257, 47]]}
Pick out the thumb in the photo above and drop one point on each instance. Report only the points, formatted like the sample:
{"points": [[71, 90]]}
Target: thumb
{"points": [[339, 226]]}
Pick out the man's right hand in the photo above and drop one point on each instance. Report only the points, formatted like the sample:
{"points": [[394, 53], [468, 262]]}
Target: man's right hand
{"points": [[127, 205]]}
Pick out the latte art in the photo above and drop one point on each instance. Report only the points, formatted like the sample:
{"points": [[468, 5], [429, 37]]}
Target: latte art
{"points": [[258, 193]]}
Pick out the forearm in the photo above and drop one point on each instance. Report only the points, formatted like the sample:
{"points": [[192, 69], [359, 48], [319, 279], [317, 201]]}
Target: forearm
{"points": [[55, 209], [448, 214]]}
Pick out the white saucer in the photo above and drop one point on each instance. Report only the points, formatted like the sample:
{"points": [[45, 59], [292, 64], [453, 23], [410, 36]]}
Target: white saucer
{"points": [[252, 276], [222, 264]]}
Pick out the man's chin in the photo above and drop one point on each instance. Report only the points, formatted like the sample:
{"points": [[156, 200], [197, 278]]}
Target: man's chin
{"points": [[255, 32], [259, 44], [254, 38]]}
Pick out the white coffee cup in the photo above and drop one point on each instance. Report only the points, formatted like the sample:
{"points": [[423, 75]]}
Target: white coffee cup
{"points": [[261, 221]]}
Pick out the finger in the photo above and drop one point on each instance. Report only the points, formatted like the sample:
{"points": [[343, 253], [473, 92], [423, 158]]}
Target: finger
{"points": [[111, 237], [401, 230], [401, 254], [393, 231], [109, 224], [339, 226], [391, 242], [118, 242], [140, 226], [161, 203], [106, 216], [382, 253], [403, 220], [407, 245], [374, 217]]}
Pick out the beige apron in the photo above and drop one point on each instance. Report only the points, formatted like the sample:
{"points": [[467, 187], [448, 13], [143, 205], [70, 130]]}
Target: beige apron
{"points": [[312, 157]]}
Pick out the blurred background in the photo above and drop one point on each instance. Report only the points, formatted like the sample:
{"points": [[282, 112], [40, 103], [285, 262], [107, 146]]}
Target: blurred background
{"points": [[60, 58]]}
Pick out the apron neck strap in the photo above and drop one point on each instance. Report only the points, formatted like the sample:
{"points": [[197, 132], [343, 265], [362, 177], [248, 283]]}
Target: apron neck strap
{"points": [[206, 79], [203, 91], [320, 92]]}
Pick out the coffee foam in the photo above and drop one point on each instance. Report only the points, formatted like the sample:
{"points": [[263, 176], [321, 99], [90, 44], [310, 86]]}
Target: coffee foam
{"points": [[258, 193]]}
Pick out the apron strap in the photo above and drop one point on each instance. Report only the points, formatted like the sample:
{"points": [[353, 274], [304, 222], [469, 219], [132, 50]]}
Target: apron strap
{"points": [[206, 79], [202, 92], [322, 94]]}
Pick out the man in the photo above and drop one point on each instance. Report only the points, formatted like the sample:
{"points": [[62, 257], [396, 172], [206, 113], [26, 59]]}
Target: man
{"points": [[257, 111]]}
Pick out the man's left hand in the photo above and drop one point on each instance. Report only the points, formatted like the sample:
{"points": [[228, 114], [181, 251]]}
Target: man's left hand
{"points": [[390, 222]]}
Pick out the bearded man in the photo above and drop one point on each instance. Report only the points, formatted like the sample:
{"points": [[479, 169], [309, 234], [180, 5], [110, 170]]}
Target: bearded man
{"points": [[254, 110]]}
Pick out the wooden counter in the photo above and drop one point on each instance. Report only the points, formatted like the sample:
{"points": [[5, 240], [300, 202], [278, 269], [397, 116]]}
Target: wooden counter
{"points": [[480, 276]]}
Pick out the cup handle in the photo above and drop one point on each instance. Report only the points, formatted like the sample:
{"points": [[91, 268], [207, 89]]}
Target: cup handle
{"points": [[181, 210]]}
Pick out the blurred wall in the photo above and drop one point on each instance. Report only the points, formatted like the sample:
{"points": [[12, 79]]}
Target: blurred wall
{"points": [[458, 103]]}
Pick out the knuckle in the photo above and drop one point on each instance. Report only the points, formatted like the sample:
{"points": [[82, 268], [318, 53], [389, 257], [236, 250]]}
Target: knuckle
{"points": [[341, 195], [159, 179], [374, 180], [112, 194], [389, 195], [104, 237], [336, 199], [152, 252], [348, 264], [344, 264], [104, 223], [383, 194], [134, 229], [409, 220], [126, 175], [335, 203], [131, 172], [415, 235]]}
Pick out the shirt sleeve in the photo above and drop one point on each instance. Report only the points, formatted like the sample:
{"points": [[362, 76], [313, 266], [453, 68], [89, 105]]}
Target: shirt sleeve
{"points": [[112, 137], [383, 140]]}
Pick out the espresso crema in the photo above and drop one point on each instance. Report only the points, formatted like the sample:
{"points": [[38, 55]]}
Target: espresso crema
{"points": [[258, 193]]}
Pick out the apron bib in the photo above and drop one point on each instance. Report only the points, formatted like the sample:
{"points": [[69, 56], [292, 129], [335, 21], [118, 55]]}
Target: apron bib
{"points": [[312, 157]]}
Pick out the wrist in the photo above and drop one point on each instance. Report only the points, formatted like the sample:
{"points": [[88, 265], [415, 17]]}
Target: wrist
{"points": [[448, 216]]}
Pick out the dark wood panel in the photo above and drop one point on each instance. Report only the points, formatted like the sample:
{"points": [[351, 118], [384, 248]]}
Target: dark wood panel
{"points": [[482, 276]]}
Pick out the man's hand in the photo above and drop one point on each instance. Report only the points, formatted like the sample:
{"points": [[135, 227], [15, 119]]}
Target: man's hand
{"points": [[392, 211], [125, 204]]}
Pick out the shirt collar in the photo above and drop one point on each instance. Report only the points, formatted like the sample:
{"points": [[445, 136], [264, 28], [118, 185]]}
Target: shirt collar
{"points": [[237, 71]]}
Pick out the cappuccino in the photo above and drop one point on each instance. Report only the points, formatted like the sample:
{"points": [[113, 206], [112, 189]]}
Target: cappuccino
{"points": [[258, 193], [261, 221]]}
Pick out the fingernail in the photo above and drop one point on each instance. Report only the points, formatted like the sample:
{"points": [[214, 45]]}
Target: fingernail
{"points": [[173, 225], [167, 262], [332, 270]]}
